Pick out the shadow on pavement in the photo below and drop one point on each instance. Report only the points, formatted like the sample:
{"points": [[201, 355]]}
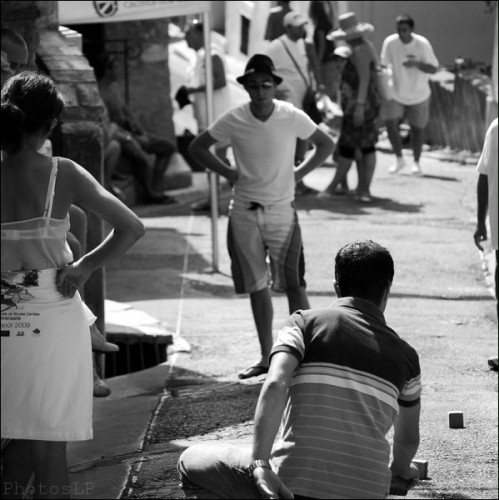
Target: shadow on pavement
{"points": [[440, 177], [154, 268], [198, 405], [348, 205]]}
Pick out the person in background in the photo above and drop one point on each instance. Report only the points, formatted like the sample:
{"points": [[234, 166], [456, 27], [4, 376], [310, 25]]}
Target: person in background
{"points": [[487, 196], [77, 241], [412, 61], [297, 64], [339, 60], [321, 15], [339, 379], [361, 105], [135, 142], [263, 222], [46, 367], [194, 36], [275, 28]]}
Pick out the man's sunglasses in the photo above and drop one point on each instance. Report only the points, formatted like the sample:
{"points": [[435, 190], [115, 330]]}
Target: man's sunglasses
{"points": [[258, 85]]}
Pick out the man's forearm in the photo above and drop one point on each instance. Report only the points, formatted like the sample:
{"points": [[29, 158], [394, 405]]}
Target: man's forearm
{"points": [[403, 453], [320, 154], [211, 162], [427, 68], [268, 416], [482, 195]]}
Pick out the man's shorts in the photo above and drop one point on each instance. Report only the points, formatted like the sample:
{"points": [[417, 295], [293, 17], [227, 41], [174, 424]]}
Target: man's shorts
{"points": [[417, 115], [256, 232]]}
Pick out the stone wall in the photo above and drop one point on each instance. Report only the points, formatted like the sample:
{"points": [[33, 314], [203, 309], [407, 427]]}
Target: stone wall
{"points": [[148, 73]]}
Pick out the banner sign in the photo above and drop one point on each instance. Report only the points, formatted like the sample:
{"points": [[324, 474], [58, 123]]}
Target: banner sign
{"points": [[71, 12]]}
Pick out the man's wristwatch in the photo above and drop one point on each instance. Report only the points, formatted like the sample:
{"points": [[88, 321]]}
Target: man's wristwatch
{"points": [[258, 463]]}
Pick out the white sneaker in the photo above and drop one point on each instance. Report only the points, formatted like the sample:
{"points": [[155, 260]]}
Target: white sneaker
{"points": [[398, 166], [416, 169]]}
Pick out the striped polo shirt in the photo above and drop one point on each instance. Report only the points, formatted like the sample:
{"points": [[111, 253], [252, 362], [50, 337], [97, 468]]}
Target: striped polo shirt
{"points": [[354, 373]]}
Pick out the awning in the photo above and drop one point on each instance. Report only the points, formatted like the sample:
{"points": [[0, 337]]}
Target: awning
{"points": [[108, 12]]}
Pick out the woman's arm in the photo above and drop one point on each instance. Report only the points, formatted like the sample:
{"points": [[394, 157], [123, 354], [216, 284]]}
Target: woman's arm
{"points": [[127, 228]]}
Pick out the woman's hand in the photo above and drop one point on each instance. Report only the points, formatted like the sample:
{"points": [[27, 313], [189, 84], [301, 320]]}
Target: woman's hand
{"points": [[70, 279]]}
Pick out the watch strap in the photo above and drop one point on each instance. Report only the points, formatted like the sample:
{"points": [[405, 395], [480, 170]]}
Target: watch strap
{"points": [[258, 463]]}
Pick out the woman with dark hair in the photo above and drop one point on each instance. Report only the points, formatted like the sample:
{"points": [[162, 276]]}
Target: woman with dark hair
{"points": [[46, 363]]}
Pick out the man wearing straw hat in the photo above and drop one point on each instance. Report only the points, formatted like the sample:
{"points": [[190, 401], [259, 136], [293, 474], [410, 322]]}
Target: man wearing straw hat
{"points": [[412, 61]]}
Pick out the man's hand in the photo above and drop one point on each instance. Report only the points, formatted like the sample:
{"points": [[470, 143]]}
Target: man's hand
{"points": [[480, 235], [412, 474], [411, 63], [401, 484], [421, 65], [269, 484]]}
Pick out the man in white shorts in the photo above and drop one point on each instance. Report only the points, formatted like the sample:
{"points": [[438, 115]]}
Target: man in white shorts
{"points": [[412, 61], [262, 218]]}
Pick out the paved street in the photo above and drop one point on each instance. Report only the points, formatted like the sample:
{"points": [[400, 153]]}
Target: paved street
{"points": [[440, 303]]}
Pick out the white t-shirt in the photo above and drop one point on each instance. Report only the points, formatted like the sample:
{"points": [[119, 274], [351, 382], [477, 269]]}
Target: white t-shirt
{"points": [[292, 82], [410, 85], [487, 165], [221, 97], [264, 151]]}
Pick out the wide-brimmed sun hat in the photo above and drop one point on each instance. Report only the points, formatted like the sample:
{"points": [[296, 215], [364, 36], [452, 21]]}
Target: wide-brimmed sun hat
{"points": [[349, 28], [259, 63]]}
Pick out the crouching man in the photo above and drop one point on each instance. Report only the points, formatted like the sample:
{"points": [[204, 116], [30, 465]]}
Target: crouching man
{"points": [[339, 378]]}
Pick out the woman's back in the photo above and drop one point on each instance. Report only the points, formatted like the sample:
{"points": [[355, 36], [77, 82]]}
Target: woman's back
{"points": [[33, 233]]}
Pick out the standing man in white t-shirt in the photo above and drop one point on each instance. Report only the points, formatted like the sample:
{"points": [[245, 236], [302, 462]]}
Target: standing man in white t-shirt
{"points": [[487, 199], [412, 61], [262, 218]]}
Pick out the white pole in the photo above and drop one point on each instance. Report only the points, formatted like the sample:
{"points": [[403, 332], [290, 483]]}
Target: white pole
{"points": [[209, 115]]}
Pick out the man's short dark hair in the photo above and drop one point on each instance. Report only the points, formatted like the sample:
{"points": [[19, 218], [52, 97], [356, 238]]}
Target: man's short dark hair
{"points": [[407, 19], [363, 269]]}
